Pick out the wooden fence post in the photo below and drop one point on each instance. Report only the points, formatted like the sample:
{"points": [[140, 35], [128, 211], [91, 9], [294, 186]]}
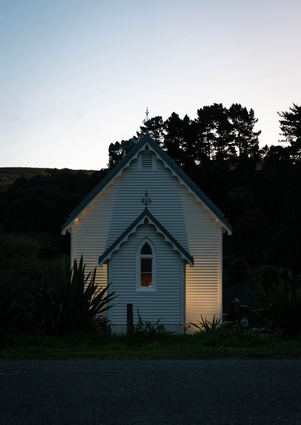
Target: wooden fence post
{"points": [[129, 318]]}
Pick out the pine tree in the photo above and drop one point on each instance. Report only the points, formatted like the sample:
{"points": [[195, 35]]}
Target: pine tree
{"points": [[290, 126]]}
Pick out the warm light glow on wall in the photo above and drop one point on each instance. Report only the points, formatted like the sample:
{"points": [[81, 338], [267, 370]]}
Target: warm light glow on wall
{"points": [[203, 292]]}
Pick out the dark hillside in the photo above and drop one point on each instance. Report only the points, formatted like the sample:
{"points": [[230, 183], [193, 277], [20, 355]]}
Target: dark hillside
{"points": [[8, 175], [34, 203], [258, 189], [263, 206]]}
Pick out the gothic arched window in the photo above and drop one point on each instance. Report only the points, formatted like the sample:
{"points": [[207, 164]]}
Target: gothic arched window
{"points": [[145, 263], [146, 259]]}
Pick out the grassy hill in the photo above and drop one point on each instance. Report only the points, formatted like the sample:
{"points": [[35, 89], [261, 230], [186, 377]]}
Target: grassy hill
{"points": [[8, 175]]}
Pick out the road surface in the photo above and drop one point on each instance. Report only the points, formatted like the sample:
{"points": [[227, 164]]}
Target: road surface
{"points": [[148, 392]]}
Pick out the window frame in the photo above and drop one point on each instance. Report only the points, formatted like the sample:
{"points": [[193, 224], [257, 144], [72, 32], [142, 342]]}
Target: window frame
{"points": [[139, 257]]}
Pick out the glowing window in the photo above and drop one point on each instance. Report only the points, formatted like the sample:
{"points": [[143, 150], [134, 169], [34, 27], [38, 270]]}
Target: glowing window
{"points": [[145, 266]]}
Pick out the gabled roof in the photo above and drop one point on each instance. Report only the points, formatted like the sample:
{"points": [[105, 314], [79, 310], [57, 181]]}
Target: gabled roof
{"points": [[176, 170], [145, 217]]}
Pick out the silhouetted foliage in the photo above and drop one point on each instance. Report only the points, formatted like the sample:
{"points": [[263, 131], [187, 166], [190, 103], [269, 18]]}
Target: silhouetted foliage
{"points": [[61, 301], [155, 128], [279, 306], [38, 207], [117, 151], [257, 189], [178, 139], [67, 300], [290, 126], [245, 139]]}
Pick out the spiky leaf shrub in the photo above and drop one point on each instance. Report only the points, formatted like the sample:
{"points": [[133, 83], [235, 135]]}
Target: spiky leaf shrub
{"points": [[280, 307], [11, 311], [145, 332], [148, 327], [68, 300], [204, 325]]}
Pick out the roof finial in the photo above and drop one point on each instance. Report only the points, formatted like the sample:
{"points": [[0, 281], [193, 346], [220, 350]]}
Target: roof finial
{"points": [[146, 200], [146, 116]]}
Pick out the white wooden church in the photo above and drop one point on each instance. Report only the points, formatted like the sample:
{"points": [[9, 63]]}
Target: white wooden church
{"points": [[156, 237]]}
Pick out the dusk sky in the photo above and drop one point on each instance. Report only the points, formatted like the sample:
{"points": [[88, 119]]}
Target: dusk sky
{"points": [[77, 75]]}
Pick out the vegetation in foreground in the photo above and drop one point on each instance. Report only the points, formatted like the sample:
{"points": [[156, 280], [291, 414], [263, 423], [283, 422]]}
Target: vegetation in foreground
{"points": [[57, 317], [92, 345], [61, 302]]}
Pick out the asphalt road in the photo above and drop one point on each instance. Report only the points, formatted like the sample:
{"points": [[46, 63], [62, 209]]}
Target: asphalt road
{"points": [[110, 392]]}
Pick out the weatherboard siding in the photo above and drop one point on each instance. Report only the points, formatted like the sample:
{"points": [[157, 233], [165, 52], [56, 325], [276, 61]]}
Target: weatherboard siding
{"points": [[90, 232], [203, 280], [183, 215], [164, 302], [120, 204], [163, 191]]}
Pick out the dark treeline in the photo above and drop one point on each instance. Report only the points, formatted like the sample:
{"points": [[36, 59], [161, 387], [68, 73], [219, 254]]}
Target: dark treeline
{"points": [[258, 189]]}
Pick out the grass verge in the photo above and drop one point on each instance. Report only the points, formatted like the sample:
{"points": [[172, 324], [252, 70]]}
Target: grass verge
{"points": [[85, 345]]}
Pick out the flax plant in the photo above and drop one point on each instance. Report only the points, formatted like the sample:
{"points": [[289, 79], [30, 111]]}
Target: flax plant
{"points": [[10, 308], [204, 325], [280, 307], [68, 300]]}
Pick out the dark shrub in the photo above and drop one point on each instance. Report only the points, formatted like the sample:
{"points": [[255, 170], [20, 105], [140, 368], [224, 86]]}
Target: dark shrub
{"points": [[68, 300]]}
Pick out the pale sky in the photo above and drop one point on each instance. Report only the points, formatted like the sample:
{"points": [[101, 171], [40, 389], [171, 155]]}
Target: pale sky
{"points": [[77, 75]]}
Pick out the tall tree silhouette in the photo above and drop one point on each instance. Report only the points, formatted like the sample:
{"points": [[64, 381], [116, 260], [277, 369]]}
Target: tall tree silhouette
{"points": [[154, 127], [214, 137], [245, 139], [179, 138], [118, 150], [290, 126]]}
